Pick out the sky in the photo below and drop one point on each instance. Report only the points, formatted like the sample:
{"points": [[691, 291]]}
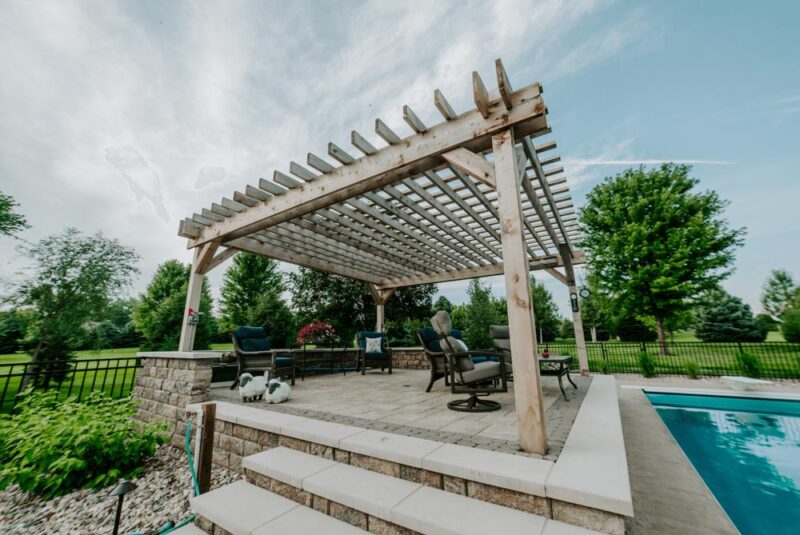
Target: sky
{"points": [[125, 117]]}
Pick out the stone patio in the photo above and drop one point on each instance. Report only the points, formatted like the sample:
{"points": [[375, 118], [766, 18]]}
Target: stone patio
{"points": [[398, 403]]}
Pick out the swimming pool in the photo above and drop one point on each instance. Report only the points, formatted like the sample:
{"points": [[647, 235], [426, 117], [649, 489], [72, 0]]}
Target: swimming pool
{"points": [[746, 450]]}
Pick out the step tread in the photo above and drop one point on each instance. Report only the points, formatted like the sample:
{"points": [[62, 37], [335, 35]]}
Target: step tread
{"points": [[411, 505], [245, 509]]}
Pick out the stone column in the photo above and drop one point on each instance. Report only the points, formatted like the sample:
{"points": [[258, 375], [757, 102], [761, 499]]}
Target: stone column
{"points": [[169, 381]]}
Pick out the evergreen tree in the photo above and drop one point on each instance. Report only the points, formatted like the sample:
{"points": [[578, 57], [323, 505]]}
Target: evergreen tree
{"points": [[632, 329], [548, 322], [728, 319], [249, 277], [654, 243], [272, 313], [158, 316], [480, 314], [442, 303], [779, 293]]}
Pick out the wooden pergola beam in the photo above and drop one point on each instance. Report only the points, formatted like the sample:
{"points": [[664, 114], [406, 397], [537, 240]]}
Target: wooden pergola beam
{"points": [[416, 154]]}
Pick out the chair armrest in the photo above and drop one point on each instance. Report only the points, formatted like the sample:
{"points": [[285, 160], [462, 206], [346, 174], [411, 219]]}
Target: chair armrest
{"points": [[254, 353]]}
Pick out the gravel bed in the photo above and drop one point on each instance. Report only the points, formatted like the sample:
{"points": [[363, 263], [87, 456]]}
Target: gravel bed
{"points": [[162, 493]]}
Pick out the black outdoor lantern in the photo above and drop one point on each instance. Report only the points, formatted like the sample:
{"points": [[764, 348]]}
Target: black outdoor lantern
{"points": [[584, 293], [573, 299], [120, 491]]}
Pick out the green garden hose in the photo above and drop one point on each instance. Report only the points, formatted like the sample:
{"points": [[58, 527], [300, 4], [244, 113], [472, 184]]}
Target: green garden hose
{"points": [[169, 527]]}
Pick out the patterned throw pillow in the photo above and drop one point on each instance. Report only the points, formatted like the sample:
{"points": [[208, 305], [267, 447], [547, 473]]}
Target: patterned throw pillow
{"points": [[373, 345]]}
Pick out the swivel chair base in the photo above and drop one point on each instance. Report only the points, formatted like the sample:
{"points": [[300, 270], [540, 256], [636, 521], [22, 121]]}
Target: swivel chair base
{"points": [[473, 404]]}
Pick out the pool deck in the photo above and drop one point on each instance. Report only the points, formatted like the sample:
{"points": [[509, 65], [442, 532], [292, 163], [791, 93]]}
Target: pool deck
{"points": [[668, 495]]}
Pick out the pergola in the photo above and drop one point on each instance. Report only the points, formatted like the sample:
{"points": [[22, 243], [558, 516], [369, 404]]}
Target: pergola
{"points": [[472, 196]]}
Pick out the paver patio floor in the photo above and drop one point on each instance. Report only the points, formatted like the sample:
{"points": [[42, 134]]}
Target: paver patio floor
{"points": [[398, 403]]}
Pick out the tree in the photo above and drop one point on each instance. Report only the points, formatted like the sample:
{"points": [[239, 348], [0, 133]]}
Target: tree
{"points": [[767, 322], [778, 293], [481, 313], [13, 325], [272, 313], [249, 278], [548, 322], [728, 319], [790, 328], [567, 330], [10, 222], [73, 279], [348, 305], [632, 329], [158, 316], [442, 303], [654, 243]]}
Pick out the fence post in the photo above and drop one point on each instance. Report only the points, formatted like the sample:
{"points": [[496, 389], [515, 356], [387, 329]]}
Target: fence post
{"points": [[741, 349]]}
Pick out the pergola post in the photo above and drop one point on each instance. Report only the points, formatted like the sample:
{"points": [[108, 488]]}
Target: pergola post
{"points": [[381, 297], [192, 304], [204, 261], [577, 320], [525, 366]]}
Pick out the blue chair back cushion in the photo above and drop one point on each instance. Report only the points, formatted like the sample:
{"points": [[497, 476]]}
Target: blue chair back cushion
{"points": [[431, 339], [252, 338], [361, 340]]}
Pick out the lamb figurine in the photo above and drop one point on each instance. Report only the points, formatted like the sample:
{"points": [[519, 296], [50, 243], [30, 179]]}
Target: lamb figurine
{"points": [[277, 390], [252, 388]]}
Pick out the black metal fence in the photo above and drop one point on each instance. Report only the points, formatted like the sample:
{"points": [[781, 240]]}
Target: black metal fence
{"points": [[76, 378], [766, 359]]}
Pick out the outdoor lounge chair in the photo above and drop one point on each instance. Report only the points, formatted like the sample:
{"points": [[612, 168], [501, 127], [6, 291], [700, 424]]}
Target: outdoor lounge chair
{"points": [[557, 367], [373, 359], [466, 377], [252, 348], [436, 357]]}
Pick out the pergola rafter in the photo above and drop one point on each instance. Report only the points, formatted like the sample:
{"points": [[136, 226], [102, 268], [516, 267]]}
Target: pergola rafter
{"points": [[472, 196]]}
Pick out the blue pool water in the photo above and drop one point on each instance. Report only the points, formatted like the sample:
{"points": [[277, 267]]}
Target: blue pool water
{"points": [[746, 450]]}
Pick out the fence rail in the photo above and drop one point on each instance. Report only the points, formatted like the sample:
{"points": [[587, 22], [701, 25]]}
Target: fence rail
{"points": [[773, 359], [75, 378]]}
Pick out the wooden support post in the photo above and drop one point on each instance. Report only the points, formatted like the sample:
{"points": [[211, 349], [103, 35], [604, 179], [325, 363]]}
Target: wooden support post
{"points": [[381, 297], [577, 321], [206, 447], [192, 305], [521, 323]]}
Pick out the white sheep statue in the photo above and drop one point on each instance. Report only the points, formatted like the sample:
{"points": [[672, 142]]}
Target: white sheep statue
{"points": [[277, 390], [252, 388]]}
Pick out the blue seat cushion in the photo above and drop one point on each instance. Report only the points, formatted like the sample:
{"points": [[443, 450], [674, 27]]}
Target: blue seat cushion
{"points": [[376, 356], [284, 362], [431, 339], [477, 359], [252, 338]]}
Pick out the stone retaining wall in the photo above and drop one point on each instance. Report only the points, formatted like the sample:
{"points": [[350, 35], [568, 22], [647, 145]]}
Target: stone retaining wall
{"points": [[410, 358], [166, 384]]}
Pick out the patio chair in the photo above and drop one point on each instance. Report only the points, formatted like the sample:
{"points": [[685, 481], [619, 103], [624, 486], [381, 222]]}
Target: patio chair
{"points": [[436, 357], [369, 356], [254, 355], [555, 368], [466, 377]]}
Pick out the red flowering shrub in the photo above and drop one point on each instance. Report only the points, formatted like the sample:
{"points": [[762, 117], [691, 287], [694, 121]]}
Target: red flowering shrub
{"points": [[316, 332]]}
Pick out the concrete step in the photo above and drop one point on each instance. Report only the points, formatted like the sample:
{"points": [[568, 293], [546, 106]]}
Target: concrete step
{"points": [[403, 503], [244, 509]]}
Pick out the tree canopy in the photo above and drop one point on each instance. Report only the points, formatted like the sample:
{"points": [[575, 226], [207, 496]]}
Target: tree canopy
{"points": [[11, 222], [548, 322], [654, 243], [158, 316], [779, 293], [480, 314], [249, 277], [73, 279]]}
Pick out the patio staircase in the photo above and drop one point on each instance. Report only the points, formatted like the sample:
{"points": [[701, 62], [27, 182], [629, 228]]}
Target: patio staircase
{"points": [[296, 492]]}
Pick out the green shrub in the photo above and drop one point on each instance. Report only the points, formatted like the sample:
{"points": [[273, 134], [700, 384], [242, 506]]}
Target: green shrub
{"points": [[647, 364], [692, 369], [51, 447], [748, 364], [791, 325]]}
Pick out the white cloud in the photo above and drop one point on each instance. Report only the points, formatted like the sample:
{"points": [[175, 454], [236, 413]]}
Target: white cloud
{"points": [[209, 97]]}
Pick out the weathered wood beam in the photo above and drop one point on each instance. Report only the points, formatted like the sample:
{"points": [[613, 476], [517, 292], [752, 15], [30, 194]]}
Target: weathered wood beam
{"points": [[413, 121], [470, 163], [220, 258], [480, 95], [443, 106], [533, 157], [503, 84], [205, 257], [417, 153]]}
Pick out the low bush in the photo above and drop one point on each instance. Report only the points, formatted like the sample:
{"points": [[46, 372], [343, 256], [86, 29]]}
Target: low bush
{"points": [[647, 364], [748, 364], [790, 328], [51, 447], [692, 369]]}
